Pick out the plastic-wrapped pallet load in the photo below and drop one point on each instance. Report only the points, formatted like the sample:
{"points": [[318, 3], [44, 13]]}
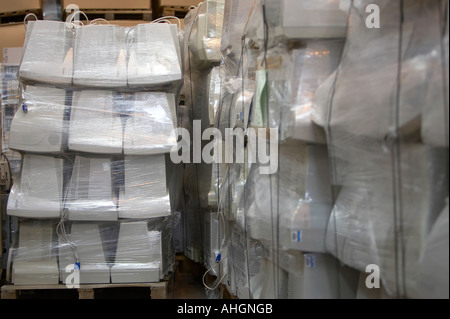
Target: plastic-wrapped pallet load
{"points": [[90, 195], [38, 192], [145, 192], [95, 125], [34, 261], [48, 53], [39, 125], [107, 112]]}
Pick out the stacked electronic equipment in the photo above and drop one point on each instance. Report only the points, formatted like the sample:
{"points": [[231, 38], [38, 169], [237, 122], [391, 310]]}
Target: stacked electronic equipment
{"points": [[361, 114], [95, 129]]}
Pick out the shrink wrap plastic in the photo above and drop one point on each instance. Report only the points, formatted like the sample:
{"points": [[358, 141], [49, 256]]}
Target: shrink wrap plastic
{"points": [[52, 252], [107, 56], [95, 195]]}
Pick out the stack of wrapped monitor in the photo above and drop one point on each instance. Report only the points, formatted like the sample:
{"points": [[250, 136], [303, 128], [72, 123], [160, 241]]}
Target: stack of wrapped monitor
{"points": [[362, 174], [96, 124]]}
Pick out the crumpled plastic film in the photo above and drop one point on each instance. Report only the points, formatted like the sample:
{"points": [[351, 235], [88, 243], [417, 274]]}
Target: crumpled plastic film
{"points": [[376, 223], [235, 17], [375, 97], [290, 211]]}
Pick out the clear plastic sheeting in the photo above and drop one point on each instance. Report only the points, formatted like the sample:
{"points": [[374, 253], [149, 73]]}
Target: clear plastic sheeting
{"points": [[35, 260], [293, 208], [435, 256], [95, 151], [435, 110], [83, 249], [308, 19], [214, 92], [38, 126], [9, 105], [90, 195], [71, 253], [205, 35], [145, 193], [102, 55], [95, 126], [54, 120], [308, 67], [38, 192], [236, 13], [377, 96], [150, 124], [48, 53], [154, 54], [368, 227]]}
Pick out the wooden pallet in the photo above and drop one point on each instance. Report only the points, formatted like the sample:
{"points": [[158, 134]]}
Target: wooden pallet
{"points": [[225, 293], [18, 16], [175, 11], [158, 290], [109, 14]]}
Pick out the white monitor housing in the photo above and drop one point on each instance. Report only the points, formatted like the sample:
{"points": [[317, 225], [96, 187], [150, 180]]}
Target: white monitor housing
{"points": [[39, 125], [38, 193]]}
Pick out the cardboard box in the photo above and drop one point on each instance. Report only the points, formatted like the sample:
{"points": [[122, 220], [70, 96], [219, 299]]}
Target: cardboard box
{"points": [[19, 5], [108, 4], [11, 36]]}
